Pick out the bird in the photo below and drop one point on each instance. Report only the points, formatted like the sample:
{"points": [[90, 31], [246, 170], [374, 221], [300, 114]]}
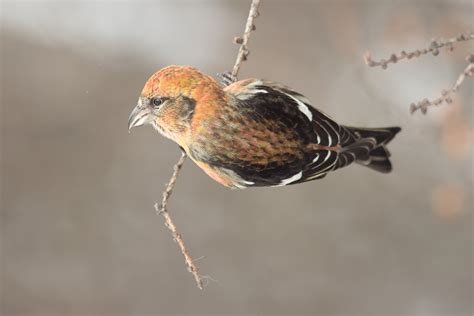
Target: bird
{"points": [[254, 132]]}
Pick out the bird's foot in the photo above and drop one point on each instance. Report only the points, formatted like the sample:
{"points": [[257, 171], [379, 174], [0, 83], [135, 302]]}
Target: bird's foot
{"points": [[226, 78]]}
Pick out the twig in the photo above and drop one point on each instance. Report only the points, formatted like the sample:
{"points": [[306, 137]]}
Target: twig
{"points": [[433, 49], [161, 209], [446, 95], [169, 187], [249, 27], [435, 46]]}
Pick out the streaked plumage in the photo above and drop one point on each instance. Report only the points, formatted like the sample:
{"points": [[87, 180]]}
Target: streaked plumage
{"points": [[254, 132]]}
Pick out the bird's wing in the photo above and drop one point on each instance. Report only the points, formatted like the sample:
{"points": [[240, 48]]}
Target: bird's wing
{"points": [[281, 138], [282, 99]]}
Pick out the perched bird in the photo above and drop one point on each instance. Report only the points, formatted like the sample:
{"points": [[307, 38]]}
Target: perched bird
{"points": [[254, 133]]}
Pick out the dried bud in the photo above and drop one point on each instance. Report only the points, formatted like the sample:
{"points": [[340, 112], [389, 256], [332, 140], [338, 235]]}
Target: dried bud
{"points": [[413, 108], [423, 105], [254, 27], [434, 44], [238, 40]]}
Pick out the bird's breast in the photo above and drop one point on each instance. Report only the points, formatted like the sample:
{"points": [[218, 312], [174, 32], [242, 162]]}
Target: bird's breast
{"points": [[240, 137]]}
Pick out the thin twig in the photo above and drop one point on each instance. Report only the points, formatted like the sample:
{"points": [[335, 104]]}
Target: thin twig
{"points": [[446, 95], [249, 27], [434, 48], [169, 187], [161, 209]]}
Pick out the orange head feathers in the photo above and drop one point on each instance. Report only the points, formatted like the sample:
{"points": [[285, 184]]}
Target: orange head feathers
{"points": [[169, 101], [174, 80]]}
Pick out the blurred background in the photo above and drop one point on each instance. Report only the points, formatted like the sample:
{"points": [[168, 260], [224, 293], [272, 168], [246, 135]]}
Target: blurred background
{"points": [[79, 234]]}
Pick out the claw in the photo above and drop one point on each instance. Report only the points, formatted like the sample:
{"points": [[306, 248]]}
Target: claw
{"points": [[226, 78]]}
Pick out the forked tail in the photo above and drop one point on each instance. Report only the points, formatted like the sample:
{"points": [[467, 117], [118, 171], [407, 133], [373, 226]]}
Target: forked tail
{"points": [[367, 146]]}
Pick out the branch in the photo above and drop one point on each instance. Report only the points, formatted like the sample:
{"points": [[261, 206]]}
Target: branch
{"points": [[249, 27], [435, 46], [433, 49], [446, 95], [161, 209]]}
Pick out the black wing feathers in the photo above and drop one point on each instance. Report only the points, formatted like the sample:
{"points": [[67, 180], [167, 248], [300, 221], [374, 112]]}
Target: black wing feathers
{"points": [[289, 114]]}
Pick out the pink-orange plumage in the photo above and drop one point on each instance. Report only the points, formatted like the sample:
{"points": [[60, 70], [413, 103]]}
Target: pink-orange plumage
{"points": [[253, 132]]}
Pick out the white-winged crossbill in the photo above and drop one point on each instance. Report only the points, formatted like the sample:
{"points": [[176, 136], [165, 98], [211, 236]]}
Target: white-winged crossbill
{"points": [[253, 132]]}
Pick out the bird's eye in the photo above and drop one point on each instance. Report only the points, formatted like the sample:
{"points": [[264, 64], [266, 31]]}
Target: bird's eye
{"points": [[157, 102]]}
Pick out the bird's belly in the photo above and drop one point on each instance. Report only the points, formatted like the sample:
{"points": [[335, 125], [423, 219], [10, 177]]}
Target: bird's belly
{"points": [[221, 175]]}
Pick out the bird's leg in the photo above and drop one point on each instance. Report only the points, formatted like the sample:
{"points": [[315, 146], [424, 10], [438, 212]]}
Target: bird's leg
{"points": [[226, 78]]}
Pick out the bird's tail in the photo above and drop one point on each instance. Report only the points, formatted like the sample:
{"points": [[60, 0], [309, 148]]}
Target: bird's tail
{"points": [[367, 146]]}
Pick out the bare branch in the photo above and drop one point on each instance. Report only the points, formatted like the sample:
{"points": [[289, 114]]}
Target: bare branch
{"points": [[249, 27], [161, 209], [434, 48], [169, 187], [446, 95]]}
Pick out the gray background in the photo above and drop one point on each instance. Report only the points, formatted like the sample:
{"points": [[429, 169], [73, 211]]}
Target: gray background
{"points": [[79, 234]]}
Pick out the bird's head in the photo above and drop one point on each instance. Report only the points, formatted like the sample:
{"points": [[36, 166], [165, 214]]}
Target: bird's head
{"points": [[169, 99]]}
